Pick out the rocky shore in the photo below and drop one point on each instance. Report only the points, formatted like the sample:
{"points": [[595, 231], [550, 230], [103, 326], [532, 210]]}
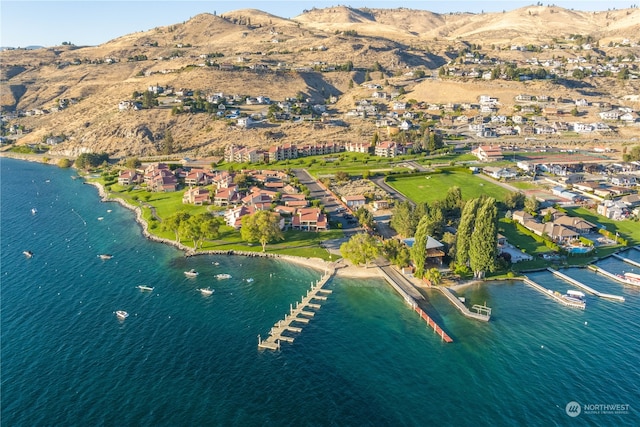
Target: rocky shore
{"points": [[343, 268]]}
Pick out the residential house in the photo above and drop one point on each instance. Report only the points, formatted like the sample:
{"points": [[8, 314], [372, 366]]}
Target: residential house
{"points": [[498, 173], [129, 177], [386, 149], [435, 254], [310, 219], [196, 196], [576, 224], [198, 177], [354, 202], [226, 196], [613, 209], [488, 153], [233, 217], [357, 147]]}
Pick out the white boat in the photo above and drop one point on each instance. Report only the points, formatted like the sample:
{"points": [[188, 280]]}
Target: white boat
{"points": [[191, 273], [223, 276], [576, 297], [34, 211], [121, 314], [145, 288], [632, 277], [108, 210], [206, 291], [250, 280], [100, 218], [28, 254], [105, 256]]}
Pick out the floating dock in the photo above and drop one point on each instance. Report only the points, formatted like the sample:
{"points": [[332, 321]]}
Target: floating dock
{"points": [[554, 295], [298, 314], [482, 312], [612, 276], [627, 260], [585, 287]]}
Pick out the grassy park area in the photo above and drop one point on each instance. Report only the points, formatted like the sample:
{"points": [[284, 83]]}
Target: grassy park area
{"points": [[432, 187], [298, 243]]}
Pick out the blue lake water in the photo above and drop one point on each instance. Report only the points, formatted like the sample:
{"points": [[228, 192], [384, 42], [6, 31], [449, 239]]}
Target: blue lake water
{"points": [[182, 359]]}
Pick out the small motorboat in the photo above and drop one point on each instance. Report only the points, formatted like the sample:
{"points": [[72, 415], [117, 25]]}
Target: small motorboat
{"points": [[34, 211], [205, 291], [145, 288], [191, 273], [121, 314], [223, 276], [105, 256], [28, 254], [250, 280], [100, 218]]}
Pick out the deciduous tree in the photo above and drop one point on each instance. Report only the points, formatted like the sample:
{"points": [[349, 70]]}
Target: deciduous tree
{"points": [[360, 249], [263, 227]]}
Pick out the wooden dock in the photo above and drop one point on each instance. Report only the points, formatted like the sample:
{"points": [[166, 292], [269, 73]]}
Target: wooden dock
{"points": [[437, 329], [627, 260], [553, 295], [612, 276], [401, 285], [585, 287], [299, 314], [482, 312]]}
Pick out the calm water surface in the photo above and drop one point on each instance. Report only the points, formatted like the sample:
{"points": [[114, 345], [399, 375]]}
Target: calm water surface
{"points": [[181, 359]]}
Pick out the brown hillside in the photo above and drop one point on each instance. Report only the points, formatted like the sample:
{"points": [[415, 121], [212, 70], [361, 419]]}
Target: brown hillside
{"points": [[295, 56]]}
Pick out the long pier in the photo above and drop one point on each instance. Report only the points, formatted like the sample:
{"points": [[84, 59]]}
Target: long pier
{"points": [[585, 287], [553, 295], [393, 277], [483, 313], [612, 276], [627, 260], [299, 314]]}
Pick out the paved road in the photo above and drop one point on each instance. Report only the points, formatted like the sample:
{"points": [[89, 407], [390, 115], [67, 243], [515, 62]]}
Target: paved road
{"points": [[379, 181], [332, 206]]}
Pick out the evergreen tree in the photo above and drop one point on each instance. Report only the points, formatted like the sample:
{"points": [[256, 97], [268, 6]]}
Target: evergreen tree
{"points": [[419, 248], [167, 146], [465, 228], [453, 202], [402, 219], [483, 248]]}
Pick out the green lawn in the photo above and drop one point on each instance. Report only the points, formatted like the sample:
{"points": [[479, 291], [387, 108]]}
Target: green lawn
{"points": [[434, 187], [298, 243], [628, 229], [519, 240]]}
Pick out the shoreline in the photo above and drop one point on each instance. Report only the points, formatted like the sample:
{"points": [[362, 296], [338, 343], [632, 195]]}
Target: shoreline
{"points": [[345, 269]]}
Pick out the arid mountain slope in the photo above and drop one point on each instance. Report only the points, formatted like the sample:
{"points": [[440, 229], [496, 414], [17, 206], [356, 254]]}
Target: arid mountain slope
{"points": [[320, 53]]}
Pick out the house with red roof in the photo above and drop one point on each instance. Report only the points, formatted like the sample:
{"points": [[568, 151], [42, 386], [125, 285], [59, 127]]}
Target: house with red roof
{"points": [[311, 219], [488, 153], [196, 196]]}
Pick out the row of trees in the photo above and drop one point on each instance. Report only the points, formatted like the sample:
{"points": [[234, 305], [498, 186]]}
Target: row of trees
{"points": [[262, 227], [198, 228]]}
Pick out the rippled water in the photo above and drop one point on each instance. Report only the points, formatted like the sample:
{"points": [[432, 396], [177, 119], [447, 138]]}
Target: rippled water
{"points": [[365, 359]]}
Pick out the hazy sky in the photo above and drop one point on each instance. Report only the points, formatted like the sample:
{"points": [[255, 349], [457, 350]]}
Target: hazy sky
{"points": [[89, 22]]}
